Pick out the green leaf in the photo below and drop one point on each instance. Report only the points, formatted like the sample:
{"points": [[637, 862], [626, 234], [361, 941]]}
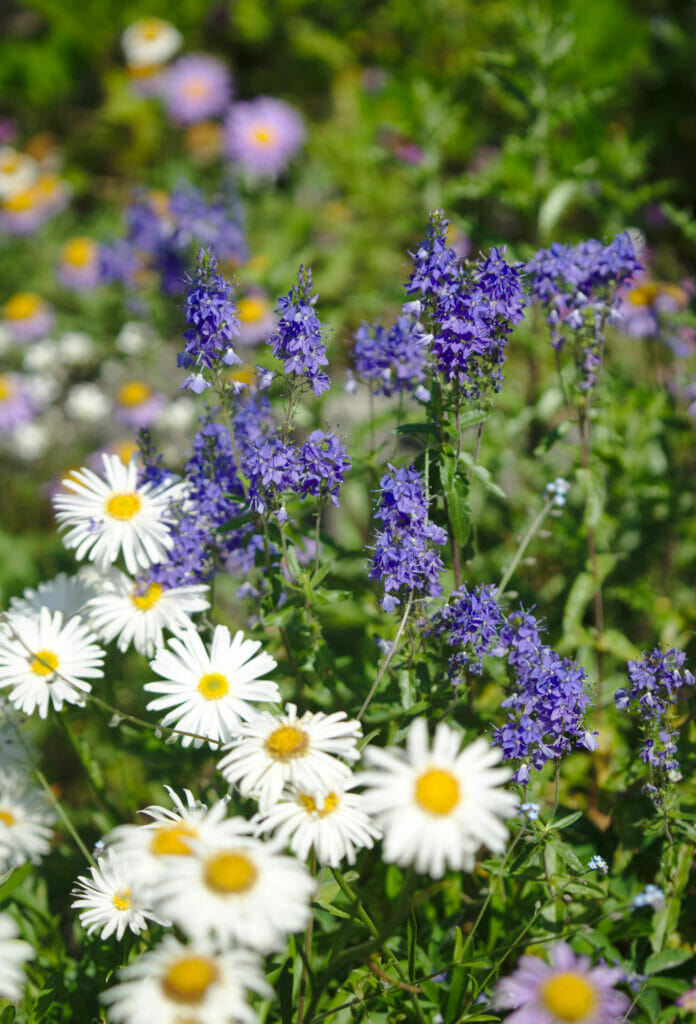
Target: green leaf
{"points": [[556, 203], [284, 990], [666, 960], [594, 492], [15, 879], [481, 474], [419, 430], [558, 432], [583, 590], [649, 1001], [564, 822]]}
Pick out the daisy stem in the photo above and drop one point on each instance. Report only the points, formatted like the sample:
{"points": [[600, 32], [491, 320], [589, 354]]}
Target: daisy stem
{"points": [[307, 947], [536, 523], [374, 931], [64, 817], [94, 782], [220, 389], [390, 654]]}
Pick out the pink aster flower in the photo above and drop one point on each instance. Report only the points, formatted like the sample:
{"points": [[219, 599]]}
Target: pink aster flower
{"points": [[263, 135], [78, 267], [566, 991], [196, 87]]}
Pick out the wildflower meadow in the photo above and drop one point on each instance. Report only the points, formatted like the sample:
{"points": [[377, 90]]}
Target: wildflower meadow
{"points": [[347, 521]]}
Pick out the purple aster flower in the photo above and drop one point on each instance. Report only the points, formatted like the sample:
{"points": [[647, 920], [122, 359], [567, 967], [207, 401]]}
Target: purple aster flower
{"points": [[324, 462], [297, 338], [470, 625], [393, 360], [137, 406], [262, 135], [16, 403], [79, 265], [405, 558], [212, 316], [195, 87], [26, 317], [566, 990], [655, 682], [549, 702]]}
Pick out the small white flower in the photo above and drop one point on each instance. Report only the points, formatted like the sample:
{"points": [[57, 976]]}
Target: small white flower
{"points": [[18, 171], [272, 751], [150, 41], [139, 613], [438, 806], [30, 441], [333, 822], [169, 833], [133, 338], [178, 415], [76, 348], [14, 953], [116, 514], [210, 692], [241, 891], [111, 899], [175, 984], [45, 661], [43, 355], [25, 822], [87, 403], [66, 594]]}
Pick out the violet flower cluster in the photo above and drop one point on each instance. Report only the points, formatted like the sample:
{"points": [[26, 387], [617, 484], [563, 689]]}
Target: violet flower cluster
{"points": [[405, 559], [474, 306], [470, 623], [297, 339], [393, 359], [578, 286], [276, 468], [213, 323], [655, 682]]}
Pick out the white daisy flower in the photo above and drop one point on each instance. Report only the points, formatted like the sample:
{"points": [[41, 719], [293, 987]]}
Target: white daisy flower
{"points": [[138, 613], [210, 692], [116, 514], [18, 171], [25, 822], [437, 806], [272, 751], [169, 833], [150, 41], [111, 899], [66, 594], [177, 984], [241, 891], [333, 822], [14, 953], [45, 661]]}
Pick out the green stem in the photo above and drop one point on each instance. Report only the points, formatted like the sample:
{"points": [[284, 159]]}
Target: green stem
{"points": [[307, 948], [64, 817], [390, 654], [524, 543]]}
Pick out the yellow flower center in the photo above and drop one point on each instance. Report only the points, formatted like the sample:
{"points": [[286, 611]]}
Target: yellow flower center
{"points": [[6, 388], [170, 840], [45, 663], [123, 506], [437, 791], [125, 450], [47, 186], [287, 742], [133, 392], [263, 134], [230, 872], [122, 900], [251, 309], [148, 598], [22, 305], [78, 251], [196, 88], [21, 200], [151, 28], [187, 980], [570, 997], [213, 685], [330, 804], [7, 818], [9, 163]]}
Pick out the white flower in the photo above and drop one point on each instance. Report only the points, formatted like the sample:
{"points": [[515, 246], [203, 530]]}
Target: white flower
{"points": [[30, 441], [209, 693], [87, 403], [138, 613], [17, 171], [241, 891], [25, 822], [66, 594], [43, 355], [150, 41], [436, 807], [133, 338], [271, 752], [76, 348], [112, 515], [168, 834], [175, 984], [111, 899], [44, 660], [333, 822], [14, 953]]}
